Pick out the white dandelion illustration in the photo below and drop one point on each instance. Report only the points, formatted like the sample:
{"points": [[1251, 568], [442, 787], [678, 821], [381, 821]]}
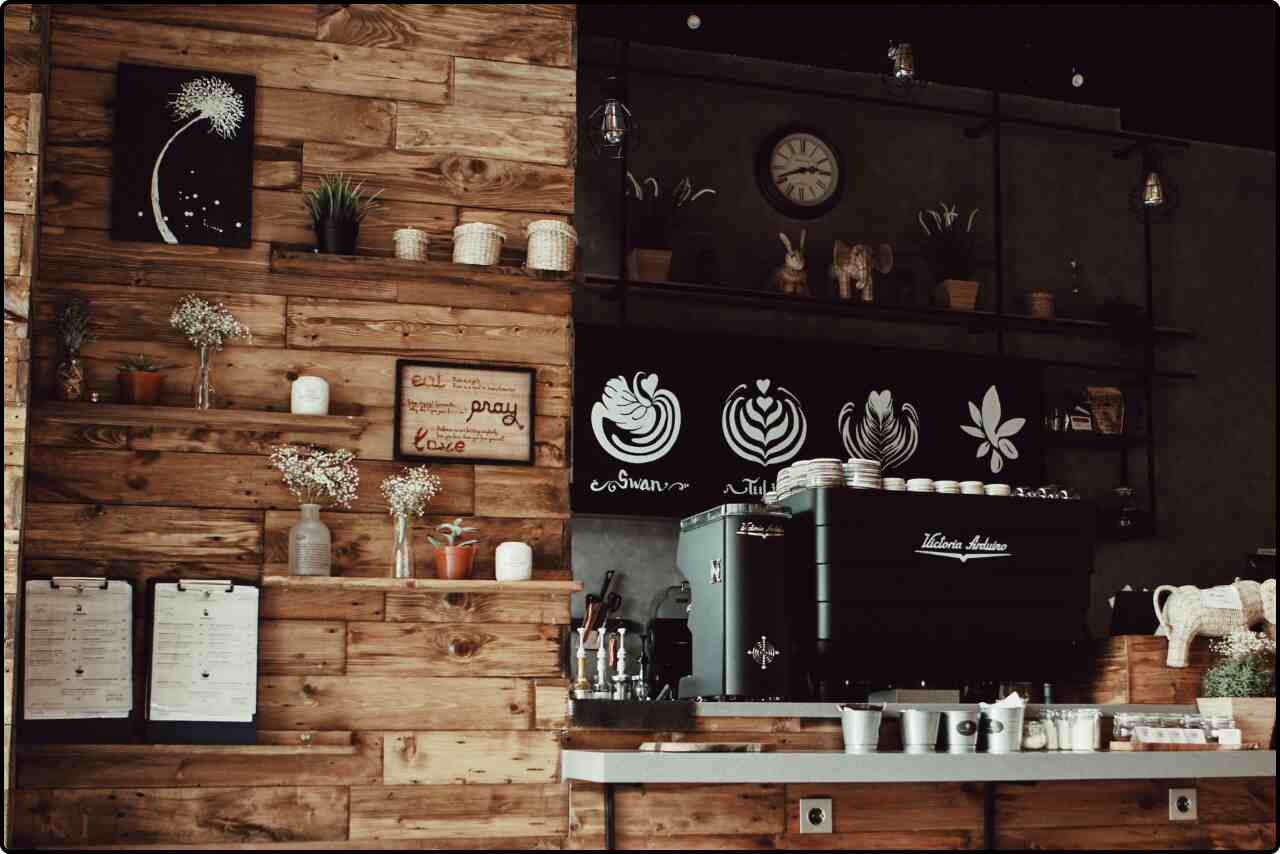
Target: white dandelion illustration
{"points": [[202, 98]]}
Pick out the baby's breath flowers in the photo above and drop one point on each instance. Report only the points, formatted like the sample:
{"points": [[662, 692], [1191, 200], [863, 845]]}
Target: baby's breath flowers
{"points": [[206, 324], [318, 476], [407, 494], [1246, 666]]}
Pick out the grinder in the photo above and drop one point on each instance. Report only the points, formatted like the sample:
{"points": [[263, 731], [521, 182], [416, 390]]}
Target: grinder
{"points": [[734, 559]]}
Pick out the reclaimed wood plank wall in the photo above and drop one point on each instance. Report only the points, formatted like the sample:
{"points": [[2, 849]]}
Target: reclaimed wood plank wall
{"points": [[462, 113], [25, 61]]}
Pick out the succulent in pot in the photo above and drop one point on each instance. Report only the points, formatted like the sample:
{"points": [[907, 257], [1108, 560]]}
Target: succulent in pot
{"points": [[140, 378], [337, 207], [454, 555]]}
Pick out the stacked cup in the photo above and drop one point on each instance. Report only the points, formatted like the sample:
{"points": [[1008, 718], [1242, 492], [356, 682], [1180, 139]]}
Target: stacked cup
{"points": [[1000, 489], [895, 484], [919, 484], [946, 487], [971, 487]]}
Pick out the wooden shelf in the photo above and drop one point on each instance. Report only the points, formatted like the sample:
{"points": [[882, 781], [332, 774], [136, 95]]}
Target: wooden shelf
{"points": [[439, 265], [124, 415], [437, 585], [1081, 439]]}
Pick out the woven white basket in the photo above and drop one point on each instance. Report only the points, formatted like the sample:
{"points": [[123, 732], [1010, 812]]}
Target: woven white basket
{"points": [[477, 243], [552, 245], [411, 244]]}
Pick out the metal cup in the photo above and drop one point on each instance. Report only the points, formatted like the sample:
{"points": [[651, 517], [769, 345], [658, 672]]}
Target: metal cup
{"points": [[920, 730], [860, 724], [1002, 728], [960, 730]]}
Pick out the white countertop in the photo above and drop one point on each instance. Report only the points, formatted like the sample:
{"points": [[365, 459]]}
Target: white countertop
{"points": [[633, 766], [832, 710]]}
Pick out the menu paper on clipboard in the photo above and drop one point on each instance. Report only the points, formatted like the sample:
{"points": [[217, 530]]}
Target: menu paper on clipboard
{"points": [[204, 652], [77, 649]]}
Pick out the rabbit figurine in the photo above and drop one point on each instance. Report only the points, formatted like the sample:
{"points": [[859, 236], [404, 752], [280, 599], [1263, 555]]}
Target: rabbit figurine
{"points": [[791, 277], [855, 267]]}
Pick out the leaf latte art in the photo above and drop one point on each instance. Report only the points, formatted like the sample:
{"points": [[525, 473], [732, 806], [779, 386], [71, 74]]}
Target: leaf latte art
{"points": [[762, 427], [638, 423]]}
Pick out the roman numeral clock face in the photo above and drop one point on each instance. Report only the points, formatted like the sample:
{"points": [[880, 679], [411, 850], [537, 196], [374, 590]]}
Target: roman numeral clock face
{"points": [[800, 173]]}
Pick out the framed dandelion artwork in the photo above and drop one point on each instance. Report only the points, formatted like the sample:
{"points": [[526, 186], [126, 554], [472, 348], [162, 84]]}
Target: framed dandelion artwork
{"points": [[182, 167]]}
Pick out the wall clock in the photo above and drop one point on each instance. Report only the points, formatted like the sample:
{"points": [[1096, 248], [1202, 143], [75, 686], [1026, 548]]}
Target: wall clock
{"points": [[800, 172]]}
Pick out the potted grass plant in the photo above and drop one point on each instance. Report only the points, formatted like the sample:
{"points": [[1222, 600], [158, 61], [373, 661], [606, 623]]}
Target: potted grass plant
{"points": [[653, 219], [140, 378], [454, 555], [1241, 684], [337, 207], [951, 252]]}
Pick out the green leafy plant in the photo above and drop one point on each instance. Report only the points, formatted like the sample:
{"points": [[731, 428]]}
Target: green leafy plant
{"points": [[1246, 666], [73, 325], [452, 531], [141, 362], [336, 199], [950, 251]]}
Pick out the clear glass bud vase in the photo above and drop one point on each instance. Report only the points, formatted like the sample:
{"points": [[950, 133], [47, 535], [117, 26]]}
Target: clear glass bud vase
{"points": [[403, 555], [310, 543], [201, 388]]}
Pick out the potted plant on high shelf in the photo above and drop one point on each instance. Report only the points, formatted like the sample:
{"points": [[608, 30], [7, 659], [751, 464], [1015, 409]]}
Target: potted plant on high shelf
{"points": [[315, 476], [337, 208], [1242, 684], [453, 558], [652, 220], [407, 495], [73, 329], [140, 379], [951, 253]]}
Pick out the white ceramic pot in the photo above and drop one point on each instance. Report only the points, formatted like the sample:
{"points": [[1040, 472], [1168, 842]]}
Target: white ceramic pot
{"points": [[309, 396], [513, 562]]}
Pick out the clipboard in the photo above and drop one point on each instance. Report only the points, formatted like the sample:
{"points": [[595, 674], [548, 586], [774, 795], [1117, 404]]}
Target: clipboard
{"points": [[78, 730], [210, 595]]}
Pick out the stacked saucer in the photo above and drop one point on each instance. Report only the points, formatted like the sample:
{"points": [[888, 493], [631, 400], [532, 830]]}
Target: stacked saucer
{"points": [[894, 484], [823, 472], [1000, 489], [789, 480], [862, 474], [946, 487], [971, 487], [919, 484]]}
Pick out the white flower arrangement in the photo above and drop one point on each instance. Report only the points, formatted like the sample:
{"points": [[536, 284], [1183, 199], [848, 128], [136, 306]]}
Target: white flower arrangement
{"points": [[408, 493], [206, 324], [316, 476], [1241, 644]]}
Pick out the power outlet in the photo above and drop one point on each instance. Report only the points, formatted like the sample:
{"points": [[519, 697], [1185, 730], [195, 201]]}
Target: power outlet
{"points": [[816, 815], [1183, 805]]}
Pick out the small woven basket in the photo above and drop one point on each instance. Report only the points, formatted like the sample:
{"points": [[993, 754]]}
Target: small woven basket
{"points": [[477, 243], [552, 245], [411, 244]]}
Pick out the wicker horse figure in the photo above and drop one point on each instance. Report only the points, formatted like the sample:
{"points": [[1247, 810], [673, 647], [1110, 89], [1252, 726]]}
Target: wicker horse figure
{"points": [[854, 268], [1214, 612]]}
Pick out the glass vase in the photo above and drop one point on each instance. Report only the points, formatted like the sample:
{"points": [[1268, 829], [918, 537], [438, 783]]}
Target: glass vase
{"points": [[201, 388], [310, 551], [403, 555], [71, 384]]}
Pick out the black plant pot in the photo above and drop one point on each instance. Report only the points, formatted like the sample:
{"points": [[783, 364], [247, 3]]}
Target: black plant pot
{"points": [[337, 238]]}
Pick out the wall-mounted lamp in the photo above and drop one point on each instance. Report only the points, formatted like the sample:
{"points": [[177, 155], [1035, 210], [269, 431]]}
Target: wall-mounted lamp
{"points": [[611, 126], [1153, 190], [904, 62], [1155, 193]]}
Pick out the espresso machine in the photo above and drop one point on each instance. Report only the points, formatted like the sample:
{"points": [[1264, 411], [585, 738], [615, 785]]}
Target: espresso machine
{"points": [[734, 558]]}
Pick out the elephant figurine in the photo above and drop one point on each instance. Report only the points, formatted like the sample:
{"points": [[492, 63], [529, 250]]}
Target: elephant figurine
{"points": [[1190, 611], [1269, 605]]}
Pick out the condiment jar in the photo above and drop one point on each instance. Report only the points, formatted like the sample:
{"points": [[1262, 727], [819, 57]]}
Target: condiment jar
{"points": [[1086, 731], [1065, 724], [1050, 719], [1034, 736]]}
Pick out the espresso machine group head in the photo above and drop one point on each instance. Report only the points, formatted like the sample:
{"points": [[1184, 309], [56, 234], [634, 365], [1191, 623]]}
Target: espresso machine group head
{"points": [[734, 558]]}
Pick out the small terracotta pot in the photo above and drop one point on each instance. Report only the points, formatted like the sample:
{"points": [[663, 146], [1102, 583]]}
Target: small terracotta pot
{"points": [[961, 294], [1040, 305], [140, 386], [649, 265], [454, 562]]}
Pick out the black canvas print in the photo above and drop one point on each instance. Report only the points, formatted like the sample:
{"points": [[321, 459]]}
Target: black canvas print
{"points": [[183, 165], [667, 424]]}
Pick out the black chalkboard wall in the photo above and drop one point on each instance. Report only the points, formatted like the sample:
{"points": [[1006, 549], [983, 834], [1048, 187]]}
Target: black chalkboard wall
{"points": [[669, 424]]}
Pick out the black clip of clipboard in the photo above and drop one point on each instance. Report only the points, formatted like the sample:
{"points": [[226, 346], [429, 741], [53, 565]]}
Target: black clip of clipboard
{"points": [[191, 732], [73, 730]]}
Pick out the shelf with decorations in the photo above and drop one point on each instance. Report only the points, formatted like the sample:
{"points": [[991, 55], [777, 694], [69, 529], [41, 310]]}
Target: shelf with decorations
{"points": [[134, 415]]}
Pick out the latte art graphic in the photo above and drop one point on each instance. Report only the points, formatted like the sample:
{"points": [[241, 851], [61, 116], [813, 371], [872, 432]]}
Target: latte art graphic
{"points": [[761, 427], [638, 423]]}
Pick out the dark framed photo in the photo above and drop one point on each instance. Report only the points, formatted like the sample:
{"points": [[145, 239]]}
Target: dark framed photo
{"points": [[480, 414], [182, 165]]}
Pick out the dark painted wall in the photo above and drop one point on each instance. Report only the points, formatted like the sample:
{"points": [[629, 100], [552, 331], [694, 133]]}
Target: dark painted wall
{"points": [[1065, 196]]}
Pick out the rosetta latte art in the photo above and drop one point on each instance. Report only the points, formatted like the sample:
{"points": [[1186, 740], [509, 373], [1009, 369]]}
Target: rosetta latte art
{"points": [[763, 428], [638, 423]]}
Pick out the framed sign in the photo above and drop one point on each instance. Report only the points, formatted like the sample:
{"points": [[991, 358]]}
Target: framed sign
{"points": [[464, 413]]}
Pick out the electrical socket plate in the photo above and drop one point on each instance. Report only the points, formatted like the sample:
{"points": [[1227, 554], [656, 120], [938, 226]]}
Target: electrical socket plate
{"points": [[815, 808], [1176, 814]]}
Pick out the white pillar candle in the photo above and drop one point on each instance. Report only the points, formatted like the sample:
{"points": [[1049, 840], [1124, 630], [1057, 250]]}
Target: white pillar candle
{"points": [[513, 562], [309, 396]]}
